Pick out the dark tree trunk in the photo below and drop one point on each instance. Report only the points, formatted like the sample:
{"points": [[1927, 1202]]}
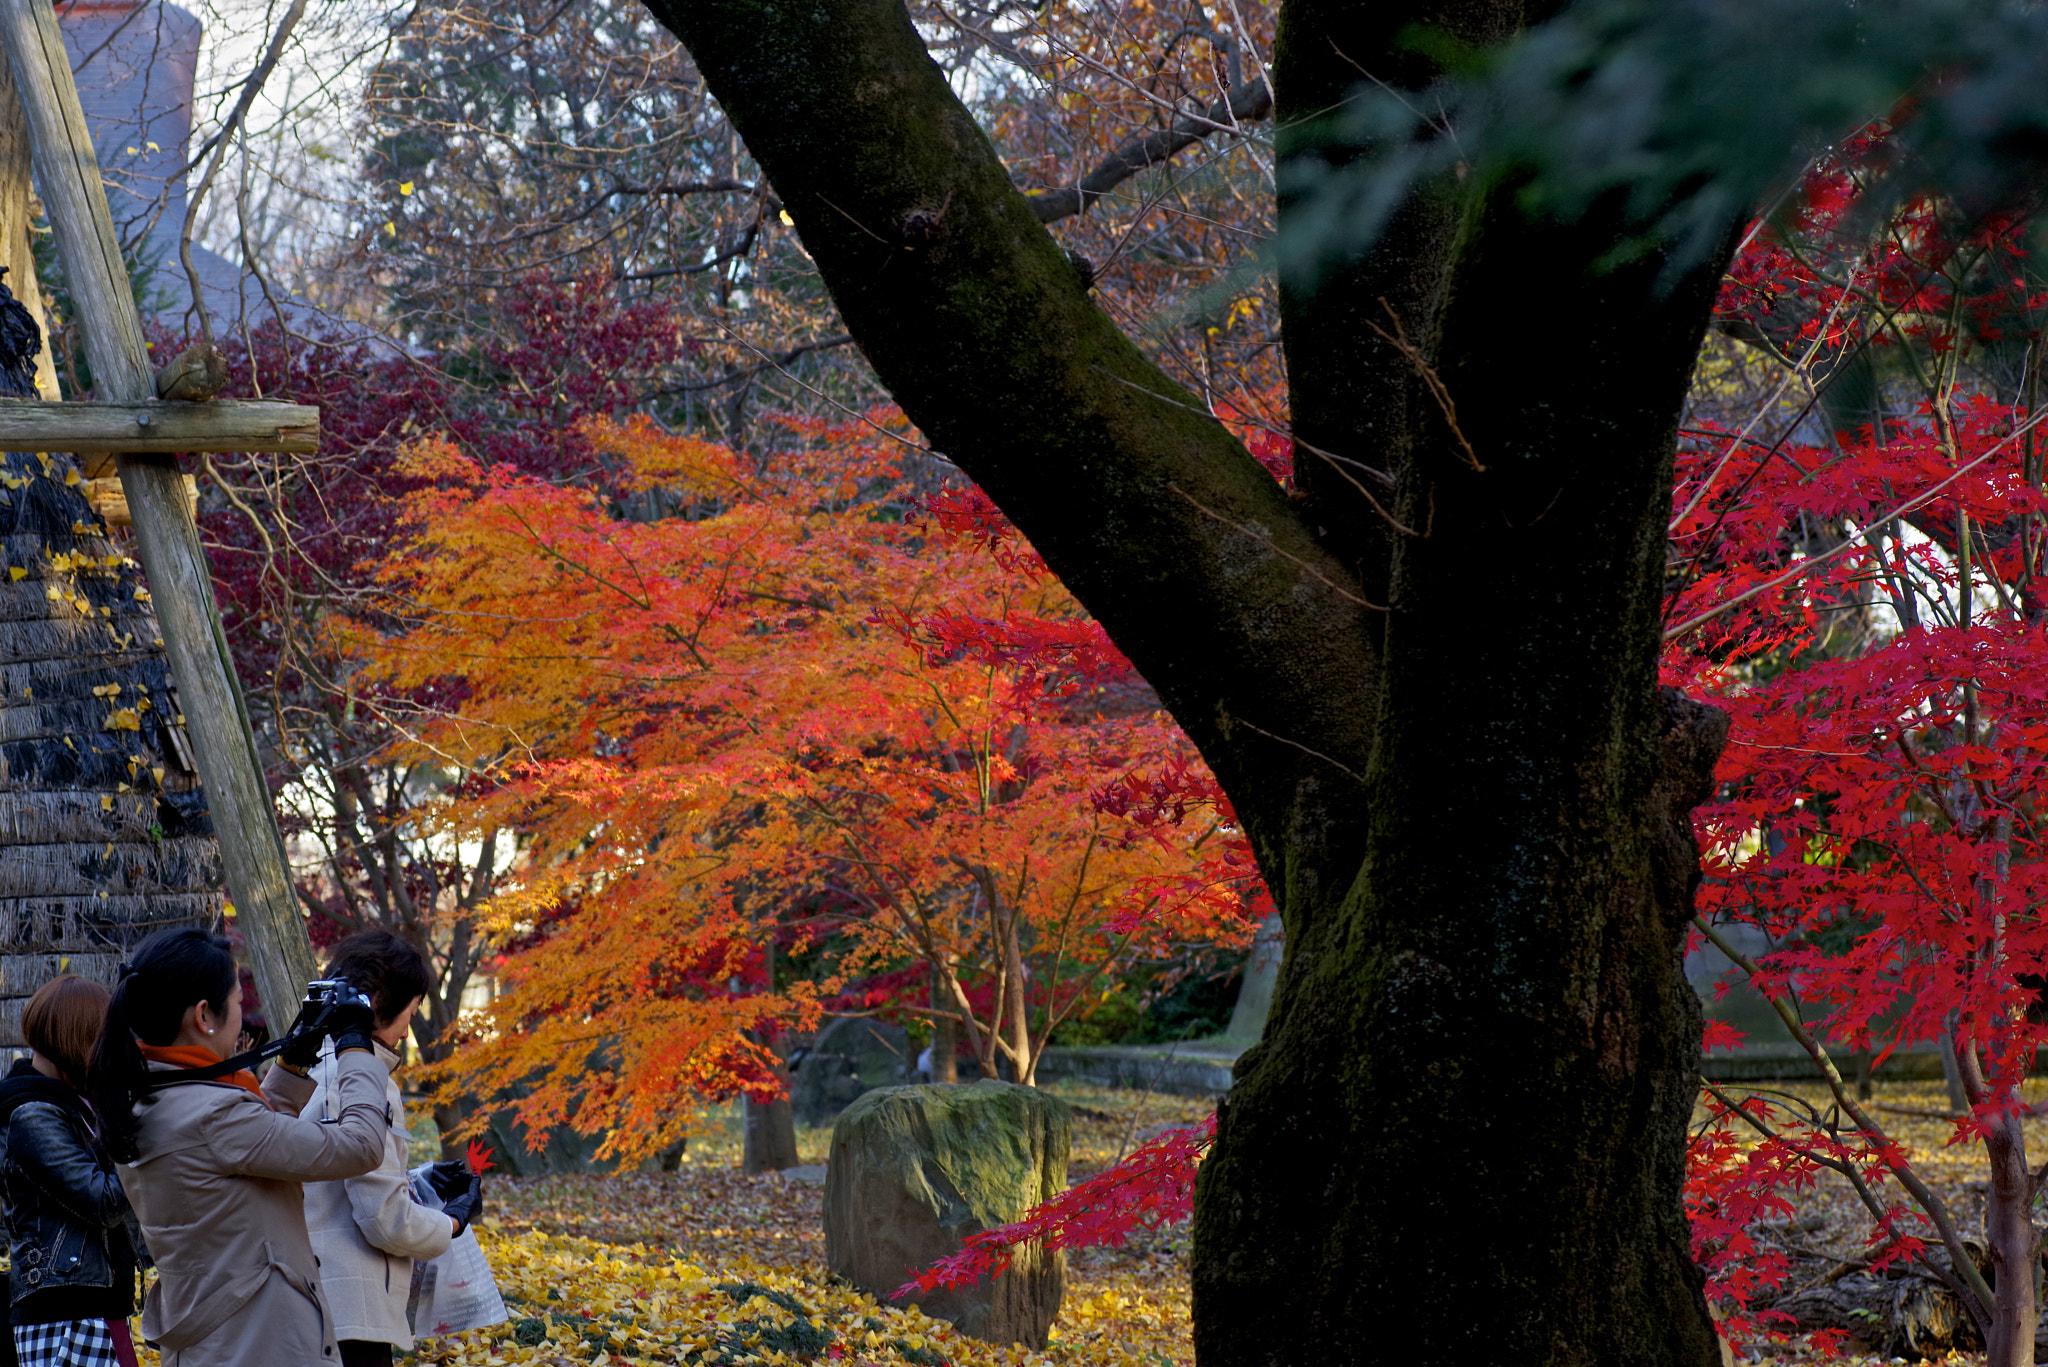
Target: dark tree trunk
{"points": [[945, 1037], [1462, 1139], [768, 1128], [770, 1137]]}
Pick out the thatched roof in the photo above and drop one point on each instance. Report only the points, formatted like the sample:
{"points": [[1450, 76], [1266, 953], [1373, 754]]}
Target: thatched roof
{"points": [[103, 833]]}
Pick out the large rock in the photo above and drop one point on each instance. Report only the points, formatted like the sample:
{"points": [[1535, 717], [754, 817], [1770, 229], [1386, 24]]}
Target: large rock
{"points": [[915, 1170], [850, 1056]]}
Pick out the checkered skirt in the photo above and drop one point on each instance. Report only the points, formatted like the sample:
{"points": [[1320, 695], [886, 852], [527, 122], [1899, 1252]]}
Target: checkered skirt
{"points": [[65, 1343]]}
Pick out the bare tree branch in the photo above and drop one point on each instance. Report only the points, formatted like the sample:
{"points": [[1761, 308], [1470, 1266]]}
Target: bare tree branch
{"points": [[1247, 103]]}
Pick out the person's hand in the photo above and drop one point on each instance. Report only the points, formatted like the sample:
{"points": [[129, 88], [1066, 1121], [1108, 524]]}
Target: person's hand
{"points": [[350, 1025], [449, 1179], [466, 1207], [301, 1051]]}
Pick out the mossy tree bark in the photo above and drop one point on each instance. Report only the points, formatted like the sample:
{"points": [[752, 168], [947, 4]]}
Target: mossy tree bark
{"points": [[1462, 1138]]}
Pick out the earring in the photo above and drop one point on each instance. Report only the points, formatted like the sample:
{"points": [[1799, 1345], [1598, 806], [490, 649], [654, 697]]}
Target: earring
{"points": [[209, 1029]]}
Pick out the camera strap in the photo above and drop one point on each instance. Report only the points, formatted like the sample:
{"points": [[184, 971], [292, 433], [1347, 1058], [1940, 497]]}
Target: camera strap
{"points": [[156, 1082], [308, 1023]]}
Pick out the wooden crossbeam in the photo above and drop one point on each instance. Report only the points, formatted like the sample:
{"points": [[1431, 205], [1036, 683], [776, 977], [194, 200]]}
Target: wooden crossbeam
{"points": [[157, 426], [237, 797]]}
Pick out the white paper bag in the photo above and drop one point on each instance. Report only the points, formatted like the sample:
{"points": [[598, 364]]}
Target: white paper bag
{"points": [[455, 1291]]}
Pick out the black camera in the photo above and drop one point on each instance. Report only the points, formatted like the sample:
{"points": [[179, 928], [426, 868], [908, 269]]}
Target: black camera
{"points": [[323, 997]]}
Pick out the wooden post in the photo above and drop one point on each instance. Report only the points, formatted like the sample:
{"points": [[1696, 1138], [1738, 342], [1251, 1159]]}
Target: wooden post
{"points": [[16, 251], [252, 852]]}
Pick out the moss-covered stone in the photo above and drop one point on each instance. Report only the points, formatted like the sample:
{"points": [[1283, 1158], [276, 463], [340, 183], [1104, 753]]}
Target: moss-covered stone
{"points": [[915, 1170]]}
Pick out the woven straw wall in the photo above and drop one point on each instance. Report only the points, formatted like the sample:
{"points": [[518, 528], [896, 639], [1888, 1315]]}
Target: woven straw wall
{"points": [[103, 833]]}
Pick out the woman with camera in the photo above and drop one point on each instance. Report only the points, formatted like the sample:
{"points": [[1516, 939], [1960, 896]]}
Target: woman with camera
{"points": [[212, 1161], [71, 1285], [368, 1229]]}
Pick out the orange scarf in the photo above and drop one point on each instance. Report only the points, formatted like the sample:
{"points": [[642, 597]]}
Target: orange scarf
{"points": [[192, 1056]]}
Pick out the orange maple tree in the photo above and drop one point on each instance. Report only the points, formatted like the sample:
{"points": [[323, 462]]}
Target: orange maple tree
{"points": [[807, 707]]}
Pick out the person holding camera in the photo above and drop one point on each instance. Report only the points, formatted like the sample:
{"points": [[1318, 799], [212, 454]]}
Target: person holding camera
{"points": [[367, 1230], [71, 1282], [213, 1161]]}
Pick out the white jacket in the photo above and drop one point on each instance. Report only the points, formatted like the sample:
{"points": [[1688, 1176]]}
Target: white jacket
{"points": [[367, 1230]]}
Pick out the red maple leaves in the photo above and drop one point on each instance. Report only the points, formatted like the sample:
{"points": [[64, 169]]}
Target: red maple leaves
{"points": [[1865, 605], [1154, 1186]]}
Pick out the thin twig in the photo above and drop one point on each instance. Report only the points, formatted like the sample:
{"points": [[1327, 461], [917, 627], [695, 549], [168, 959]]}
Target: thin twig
{"points": [[1299, 746], [1352, 480], [1273, 546], [1398, 340], [222, 140], [1919, 1111], [854, 221]]}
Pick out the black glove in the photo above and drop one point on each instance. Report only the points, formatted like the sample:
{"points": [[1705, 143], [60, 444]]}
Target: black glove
{"points": [[302, 1050], [350, 1024], [466, 1207], [450, 1179]]}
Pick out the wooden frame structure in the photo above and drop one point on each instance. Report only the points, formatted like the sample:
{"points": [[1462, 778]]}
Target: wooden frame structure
{"points": [[142, 433]]}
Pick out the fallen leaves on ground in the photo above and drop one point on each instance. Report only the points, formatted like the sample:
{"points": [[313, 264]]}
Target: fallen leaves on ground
{"points": [[706, 1266], [577, 1301]]}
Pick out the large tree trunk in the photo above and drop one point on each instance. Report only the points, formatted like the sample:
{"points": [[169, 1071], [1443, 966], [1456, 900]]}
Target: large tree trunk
{"points": [[1483, 1054], [1475, 1083], [1462, 1139]]}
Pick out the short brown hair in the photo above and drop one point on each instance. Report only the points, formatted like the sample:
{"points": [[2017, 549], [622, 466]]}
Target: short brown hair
{"points": [[63, 1020], [386, 968]]}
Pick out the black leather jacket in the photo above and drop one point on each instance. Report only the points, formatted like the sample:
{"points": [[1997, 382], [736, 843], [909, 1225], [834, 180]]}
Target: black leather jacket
{"points": [[66, 1214]]}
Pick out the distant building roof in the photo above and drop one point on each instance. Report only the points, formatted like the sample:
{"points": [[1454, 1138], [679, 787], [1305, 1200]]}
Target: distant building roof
{"points": [[136, 65]]}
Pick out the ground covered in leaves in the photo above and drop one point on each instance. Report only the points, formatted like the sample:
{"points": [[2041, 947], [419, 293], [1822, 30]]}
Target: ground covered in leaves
{"points": [[1828, 1231], [705, 1266]]}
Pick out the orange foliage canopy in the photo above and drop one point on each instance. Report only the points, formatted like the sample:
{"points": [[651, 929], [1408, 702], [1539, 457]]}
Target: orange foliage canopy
{"points": [[806, 707]]}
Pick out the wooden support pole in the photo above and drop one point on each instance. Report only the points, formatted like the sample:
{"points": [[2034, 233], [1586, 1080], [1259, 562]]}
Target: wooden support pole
{"points": [[68, 174], [159, 428], [17, 250]]}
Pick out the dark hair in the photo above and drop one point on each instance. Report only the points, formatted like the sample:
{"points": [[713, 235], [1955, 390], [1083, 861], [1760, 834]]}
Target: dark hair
{"points": [[382, 967], [164, 975], [62, 1023]]}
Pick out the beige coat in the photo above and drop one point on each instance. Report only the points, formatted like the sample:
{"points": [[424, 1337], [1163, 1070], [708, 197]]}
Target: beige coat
{"points": [[216, 1187], [368, 1229]]}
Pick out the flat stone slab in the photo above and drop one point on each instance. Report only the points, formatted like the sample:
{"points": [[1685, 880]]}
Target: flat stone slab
{"points": [[1790, 1063], [1193, 1069]]}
